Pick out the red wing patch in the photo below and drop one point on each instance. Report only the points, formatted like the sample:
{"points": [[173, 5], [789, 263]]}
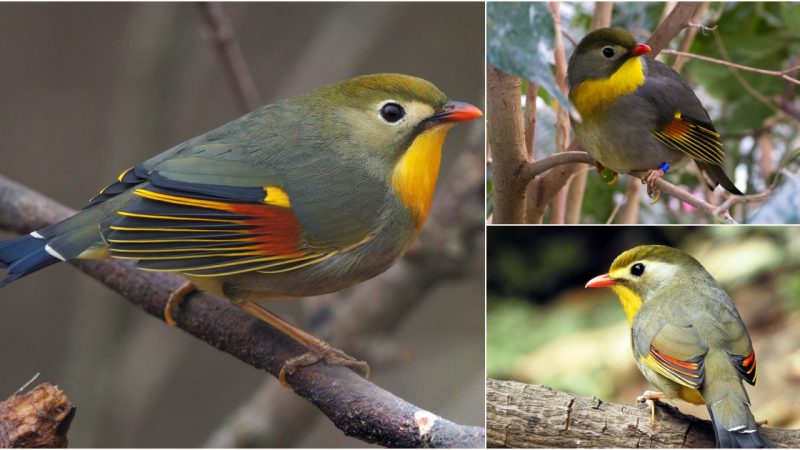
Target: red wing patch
{"points": [[746, 366], [689, 373], [201, 234], [695, 138]]}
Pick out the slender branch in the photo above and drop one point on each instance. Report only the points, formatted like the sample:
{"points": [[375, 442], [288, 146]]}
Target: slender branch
{"points": [[689, 36], [775, 73], [356, 406], [540, 166], [523, 415], [231, 55], [559, 205], [676, 20], [536, 168]]}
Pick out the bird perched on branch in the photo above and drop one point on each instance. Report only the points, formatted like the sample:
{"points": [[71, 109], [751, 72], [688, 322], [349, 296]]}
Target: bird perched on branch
{"points": [[304, 196], [637, 114], [687, 337]]}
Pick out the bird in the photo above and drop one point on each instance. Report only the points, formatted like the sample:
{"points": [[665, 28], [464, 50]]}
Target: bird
{"points": [[637, 114], [301, 197], [687, 337]]}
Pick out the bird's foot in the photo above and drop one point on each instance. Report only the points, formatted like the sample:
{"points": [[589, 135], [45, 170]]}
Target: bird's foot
{"points": [[650, 180], [609, 176], [650, 398], [322, 351], [175, 299]]}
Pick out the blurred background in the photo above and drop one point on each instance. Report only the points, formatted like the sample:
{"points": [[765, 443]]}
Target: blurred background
{"points": [[90, 89], [757, 115], [543, 327]]}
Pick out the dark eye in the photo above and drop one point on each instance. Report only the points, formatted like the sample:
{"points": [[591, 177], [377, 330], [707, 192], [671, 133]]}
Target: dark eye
{"points": [[392, 112], [608, 52], [637, 269]]}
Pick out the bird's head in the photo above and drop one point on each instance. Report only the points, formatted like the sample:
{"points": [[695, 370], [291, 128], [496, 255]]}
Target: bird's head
{"points": [[397, 125], [642, 273], [601, 53]]}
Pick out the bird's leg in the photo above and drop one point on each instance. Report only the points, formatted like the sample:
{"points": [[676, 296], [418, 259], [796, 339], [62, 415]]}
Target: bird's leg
{"points": [[318, 350], [175, 299], [650, 398], [650, 180], [601, 168]]}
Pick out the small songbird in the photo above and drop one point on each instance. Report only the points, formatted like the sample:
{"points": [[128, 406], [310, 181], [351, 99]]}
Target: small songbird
{"points": [[304, 196], [637, 114], [687, 337]]}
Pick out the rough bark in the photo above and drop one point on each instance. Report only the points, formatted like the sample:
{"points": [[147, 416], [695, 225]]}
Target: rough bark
{"points": [[523, 415], [40, 417]]}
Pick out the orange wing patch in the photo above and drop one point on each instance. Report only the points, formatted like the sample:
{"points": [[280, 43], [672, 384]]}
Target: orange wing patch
{"points": [[200, 234], [695, 138], [746, 366], [688, 373]]}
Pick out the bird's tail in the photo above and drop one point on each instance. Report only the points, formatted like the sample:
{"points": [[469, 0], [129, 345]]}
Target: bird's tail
{"points": [[715, 176], [68, 239], [734, 425]]}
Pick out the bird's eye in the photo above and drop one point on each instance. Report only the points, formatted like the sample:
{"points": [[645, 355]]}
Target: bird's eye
{"points": [[637, 269], [392, 112], [608, 52]]}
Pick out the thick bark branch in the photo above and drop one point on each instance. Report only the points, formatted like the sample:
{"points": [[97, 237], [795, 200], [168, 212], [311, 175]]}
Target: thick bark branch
{"points": [[356, 406], [522, 415], [40, 417], [507, 140]]}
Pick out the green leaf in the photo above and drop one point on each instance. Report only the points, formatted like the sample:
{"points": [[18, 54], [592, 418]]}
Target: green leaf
{"points": [[520, 40]]}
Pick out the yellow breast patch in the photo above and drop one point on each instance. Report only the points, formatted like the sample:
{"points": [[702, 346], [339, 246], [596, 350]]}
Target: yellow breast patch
{"points": [[592, 96], [414, 176]]}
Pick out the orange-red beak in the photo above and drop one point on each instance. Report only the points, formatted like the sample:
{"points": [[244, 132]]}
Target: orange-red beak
{"points": [[601, 281], [640, 49], [454, 111]]}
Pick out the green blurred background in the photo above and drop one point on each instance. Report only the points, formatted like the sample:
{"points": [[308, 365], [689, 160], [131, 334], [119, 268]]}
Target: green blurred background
{"points": [[543, 327]]}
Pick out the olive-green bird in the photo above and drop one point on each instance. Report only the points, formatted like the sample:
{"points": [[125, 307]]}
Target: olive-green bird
{"points": [[687, 337], [637, 114], [301, 197]]}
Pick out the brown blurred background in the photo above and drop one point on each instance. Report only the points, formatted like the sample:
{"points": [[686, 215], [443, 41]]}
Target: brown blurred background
{"points": [[87, 90]]}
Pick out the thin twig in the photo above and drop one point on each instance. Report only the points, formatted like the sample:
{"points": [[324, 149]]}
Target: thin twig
{"points": [[231, 55], [355, 405], [775, 73]]}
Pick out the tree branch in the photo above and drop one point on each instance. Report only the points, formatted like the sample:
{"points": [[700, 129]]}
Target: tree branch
{"points": [[678, 19], [721, 212], [774, 73], [522, 415], [507, 140], [231, 55], [356, 406], [40, 417]]}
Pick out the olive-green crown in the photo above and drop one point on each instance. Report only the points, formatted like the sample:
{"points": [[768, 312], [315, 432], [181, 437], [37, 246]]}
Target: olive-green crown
{"points": [[653, 253]]}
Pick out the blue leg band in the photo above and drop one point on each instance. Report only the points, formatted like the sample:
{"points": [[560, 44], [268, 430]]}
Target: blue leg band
{"points": [[664, 166]]}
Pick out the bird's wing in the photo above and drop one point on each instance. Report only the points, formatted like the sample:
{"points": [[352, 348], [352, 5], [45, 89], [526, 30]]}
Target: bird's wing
{"points": [[210, 229], [681, 121], [736, 340], [691, 136], [672, 347]]}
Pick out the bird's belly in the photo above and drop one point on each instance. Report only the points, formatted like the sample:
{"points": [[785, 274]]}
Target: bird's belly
{"points": [[623, 151]]}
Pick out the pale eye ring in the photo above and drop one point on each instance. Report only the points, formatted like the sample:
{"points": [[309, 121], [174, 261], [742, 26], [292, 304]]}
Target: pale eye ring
{"points": [[608, 51], [392, 112]]}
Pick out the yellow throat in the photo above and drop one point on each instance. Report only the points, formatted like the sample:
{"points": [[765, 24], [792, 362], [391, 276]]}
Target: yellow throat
{"points": [[414, 176], [593, 96], [631, 302]]}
